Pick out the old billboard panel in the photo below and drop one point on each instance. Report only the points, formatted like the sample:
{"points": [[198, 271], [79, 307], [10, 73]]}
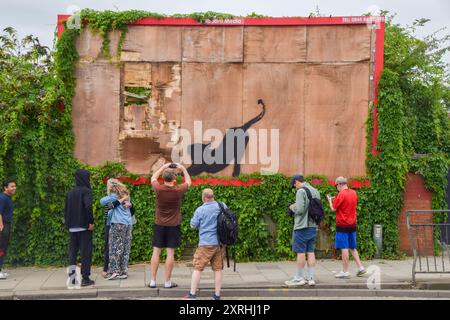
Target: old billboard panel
{"points": [[137, 74], [316, 79], [96, 109], [275, 44], [156, 44], [338, 43], [214, 44], [89, 44], [336, 108], [212, 94], [281, 86]]}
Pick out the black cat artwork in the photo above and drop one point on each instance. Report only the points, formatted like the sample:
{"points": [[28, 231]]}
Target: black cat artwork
{"points": [[236, 138]]}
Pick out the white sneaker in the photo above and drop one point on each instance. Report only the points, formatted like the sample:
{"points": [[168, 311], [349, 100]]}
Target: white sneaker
{"points": [[311, 282], [3, 275], [122, 276], [295, 282], [112, 276], [342, 275]]}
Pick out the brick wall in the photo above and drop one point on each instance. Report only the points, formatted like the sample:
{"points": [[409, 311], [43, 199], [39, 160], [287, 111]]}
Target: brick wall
{"points": [[416, 197]]}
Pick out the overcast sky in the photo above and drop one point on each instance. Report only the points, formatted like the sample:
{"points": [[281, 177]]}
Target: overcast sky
{"points": [[38, 17]]}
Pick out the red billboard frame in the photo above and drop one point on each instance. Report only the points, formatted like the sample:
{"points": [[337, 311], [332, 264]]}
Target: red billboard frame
{"points": [[377, 21]]}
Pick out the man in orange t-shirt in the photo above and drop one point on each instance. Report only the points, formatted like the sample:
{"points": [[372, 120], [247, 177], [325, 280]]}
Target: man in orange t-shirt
{"points": [[344, 204], [167, 227]]}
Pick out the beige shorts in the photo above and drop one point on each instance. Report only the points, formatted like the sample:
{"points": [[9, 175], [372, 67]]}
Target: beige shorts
{"points": [[205, 254]]}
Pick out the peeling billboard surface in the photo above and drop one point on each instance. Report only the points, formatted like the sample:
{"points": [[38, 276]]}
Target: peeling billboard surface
{"points": [[315, 82]]}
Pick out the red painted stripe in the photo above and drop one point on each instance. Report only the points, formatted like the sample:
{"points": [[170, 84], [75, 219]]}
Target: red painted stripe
{"points": [[289, 21], [379, 59], [60, 26], [256, 21], [355, 184]]}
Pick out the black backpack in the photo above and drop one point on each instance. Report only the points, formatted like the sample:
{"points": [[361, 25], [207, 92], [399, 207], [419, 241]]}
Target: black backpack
{"points": [[315, 208], [227, 231], [227, 226]]}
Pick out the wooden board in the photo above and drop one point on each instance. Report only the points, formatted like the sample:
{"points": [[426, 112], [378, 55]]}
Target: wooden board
{"points": [[137, 74], [96, 112], [156, 44], [213, 44], [281, 86], [314, 80], [139, 154], [275, 44], [338, 43], [336, 108], [212, 93], [89, 44]]}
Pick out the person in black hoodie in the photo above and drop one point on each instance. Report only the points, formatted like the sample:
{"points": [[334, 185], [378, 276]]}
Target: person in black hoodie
{"points": [[79, 220]]}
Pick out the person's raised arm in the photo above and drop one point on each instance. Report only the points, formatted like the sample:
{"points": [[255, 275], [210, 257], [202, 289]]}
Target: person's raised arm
{"points": [[158, 172], [330, 202], [187, 177]]}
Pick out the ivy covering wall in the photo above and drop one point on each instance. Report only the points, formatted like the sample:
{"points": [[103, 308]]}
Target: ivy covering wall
{"points": [[36, 90]]}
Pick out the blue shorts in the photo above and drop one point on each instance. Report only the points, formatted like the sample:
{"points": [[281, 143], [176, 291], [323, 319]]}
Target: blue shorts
{"points": [[345, 240], [304, 240]]}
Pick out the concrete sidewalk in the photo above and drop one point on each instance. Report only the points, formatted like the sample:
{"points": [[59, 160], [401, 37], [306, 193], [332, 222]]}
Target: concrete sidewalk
{"points": [[257, 279]]}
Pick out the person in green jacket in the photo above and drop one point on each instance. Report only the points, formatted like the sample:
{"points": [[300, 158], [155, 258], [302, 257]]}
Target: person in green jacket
{"points": [[304, 233]]}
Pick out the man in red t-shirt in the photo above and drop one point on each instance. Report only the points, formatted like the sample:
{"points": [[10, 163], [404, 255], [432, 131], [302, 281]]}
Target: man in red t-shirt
{"points": [[344, 204], [167, 229]]}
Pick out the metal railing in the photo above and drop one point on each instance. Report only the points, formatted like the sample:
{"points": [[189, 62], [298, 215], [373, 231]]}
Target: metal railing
{"points": [[430, 241]]}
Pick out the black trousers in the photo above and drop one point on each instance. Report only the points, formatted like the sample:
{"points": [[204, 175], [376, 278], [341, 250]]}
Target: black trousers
{"points": [[106, 251], [4, 241], [82, 242]]}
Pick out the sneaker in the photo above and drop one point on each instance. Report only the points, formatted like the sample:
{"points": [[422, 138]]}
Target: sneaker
{"points": [[170, 284], [3, 275], [122, 276], [190, 296], [216, 297], [152, 285], [105, 274], [311, 282], [342, 275], [112, 276], [295, 282], [361, 272], [87, 282]]}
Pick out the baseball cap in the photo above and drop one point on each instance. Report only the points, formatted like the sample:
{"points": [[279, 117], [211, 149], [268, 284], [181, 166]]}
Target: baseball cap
{"points": [[297, 177]]}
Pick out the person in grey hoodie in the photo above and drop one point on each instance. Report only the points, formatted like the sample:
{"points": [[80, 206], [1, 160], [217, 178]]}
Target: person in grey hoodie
{"points": [[79, 220], [304, 233]]}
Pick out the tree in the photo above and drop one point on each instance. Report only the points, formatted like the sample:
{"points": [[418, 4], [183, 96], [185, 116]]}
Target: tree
{"points": [[36, 145]]}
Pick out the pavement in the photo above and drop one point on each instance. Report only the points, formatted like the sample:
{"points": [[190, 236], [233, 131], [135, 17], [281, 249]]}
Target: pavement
{"points": [[252, 280]]}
